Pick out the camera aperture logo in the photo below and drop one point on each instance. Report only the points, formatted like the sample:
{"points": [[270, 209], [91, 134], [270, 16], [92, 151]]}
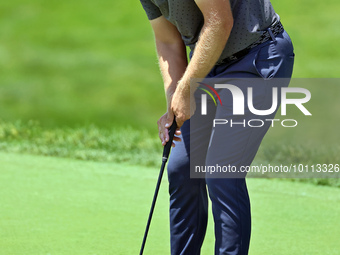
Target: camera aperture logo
{"points": [[204, 109], [238, 106]]}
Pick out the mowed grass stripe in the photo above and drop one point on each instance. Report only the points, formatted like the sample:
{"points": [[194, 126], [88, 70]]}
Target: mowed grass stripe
{"points": [[66, 206], [62, 206]]}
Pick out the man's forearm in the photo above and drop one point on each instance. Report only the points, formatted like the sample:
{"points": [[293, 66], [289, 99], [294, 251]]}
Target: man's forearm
{"points": [[213, 38], [173, 63], [171, 54]]}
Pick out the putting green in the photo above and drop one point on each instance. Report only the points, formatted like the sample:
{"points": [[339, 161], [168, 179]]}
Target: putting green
{"points": [[64, 206]]}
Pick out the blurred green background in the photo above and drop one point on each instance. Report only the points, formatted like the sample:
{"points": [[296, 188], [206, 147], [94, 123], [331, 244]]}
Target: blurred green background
{"points": [[74, 63], [80, 80]]}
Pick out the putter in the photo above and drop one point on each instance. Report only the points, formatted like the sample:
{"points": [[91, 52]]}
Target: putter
{"points": [[166, 152]]}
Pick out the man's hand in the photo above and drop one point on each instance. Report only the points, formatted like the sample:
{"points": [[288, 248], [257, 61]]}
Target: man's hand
{"points": [[164, 123], [183, 103]]}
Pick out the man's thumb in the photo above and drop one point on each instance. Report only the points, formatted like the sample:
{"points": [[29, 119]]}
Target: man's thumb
{"points": [[170, 119]]}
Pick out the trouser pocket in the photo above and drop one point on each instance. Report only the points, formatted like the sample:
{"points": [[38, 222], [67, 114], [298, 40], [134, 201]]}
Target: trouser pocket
{"points": [[275, 59]]}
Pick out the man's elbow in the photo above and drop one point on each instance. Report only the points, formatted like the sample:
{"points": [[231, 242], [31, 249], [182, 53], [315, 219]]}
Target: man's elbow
{"points": [[221, 24], [227, 26]]}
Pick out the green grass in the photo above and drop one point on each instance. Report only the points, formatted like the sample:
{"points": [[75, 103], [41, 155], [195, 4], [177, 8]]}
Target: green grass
{"points": [[78, 63], [64, 206], [313, 29], [139, 147], [85, 143]]}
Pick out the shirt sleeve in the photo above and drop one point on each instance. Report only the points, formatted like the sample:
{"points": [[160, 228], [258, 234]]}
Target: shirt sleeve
{"points": [[152, 11]]}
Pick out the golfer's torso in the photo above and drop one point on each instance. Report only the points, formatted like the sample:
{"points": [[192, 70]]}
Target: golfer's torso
{"points": [[251, 17]]}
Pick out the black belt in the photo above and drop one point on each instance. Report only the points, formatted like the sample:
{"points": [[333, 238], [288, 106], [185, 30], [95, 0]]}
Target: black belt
{"points": [[271, 32]]}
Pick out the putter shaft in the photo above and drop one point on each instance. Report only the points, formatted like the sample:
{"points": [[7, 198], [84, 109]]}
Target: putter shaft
{"points": [[166, 152]]}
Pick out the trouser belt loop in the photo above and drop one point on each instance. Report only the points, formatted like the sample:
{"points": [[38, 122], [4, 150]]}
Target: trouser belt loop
{"points": [[271, 34]]}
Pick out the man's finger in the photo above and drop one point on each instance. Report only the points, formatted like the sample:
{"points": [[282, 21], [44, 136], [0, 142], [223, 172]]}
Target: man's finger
{"points": [[166, 132], [170, 119], [177, 139]]}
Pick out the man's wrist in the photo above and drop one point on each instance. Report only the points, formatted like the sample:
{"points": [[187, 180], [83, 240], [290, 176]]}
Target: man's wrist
{"points": [[186, 87]]}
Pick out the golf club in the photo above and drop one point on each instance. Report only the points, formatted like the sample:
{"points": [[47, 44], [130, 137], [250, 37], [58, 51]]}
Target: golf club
{"points": [[166, 152]]}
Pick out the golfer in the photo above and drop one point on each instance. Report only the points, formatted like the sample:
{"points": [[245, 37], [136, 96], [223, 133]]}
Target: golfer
{"points": [[233, 40]]}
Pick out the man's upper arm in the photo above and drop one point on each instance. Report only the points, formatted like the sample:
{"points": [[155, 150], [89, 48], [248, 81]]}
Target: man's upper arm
{"points": [[216, 11], [165, 31]]}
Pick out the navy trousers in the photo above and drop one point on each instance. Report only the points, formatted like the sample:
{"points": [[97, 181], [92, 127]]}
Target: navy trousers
{"points": [[229, 196]]}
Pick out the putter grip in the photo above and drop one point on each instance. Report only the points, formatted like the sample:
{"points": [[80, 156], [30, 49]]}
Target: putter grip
{"points": [[167, 146]]}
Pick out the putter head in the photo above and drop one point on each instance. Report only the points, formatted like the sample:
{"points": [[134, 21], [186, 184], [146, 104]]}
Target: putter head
{"points": [[167, 147]]}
